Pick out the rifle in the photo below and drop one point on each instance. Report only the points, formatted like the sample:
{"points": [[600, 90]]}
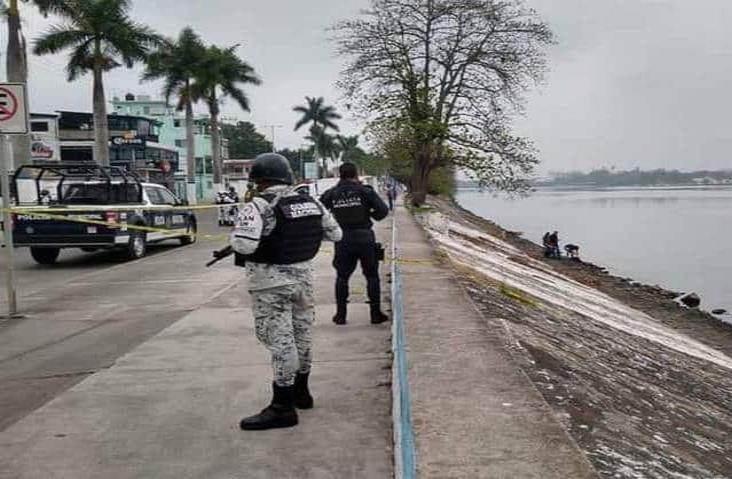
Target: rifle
{"points": [[228, 251], [220, 254]]}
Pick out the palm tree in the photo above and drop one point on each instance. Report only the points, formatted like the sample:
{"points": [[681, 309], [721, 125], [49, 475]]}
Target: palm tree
{"points": [[178, 62], [321, 116], [324, 145], [317, 113], [222, 71], [348, 146], [16, 61], [100, 35]]}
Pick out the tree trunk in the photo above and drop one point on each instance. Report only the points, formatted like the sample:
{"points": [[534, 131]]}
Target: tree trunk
{"points": [[17, 70], [101, 125], [191, 194], [215, 141], [420, 178]]}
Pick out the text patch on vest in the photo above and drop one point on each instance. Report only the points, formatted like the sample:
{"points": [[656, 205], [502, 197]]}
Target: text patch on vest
{"points": [[300, 210], [347, 202]]}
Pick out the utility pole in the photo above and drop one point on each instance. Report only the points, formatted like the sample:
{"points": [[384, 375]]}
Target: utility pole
{"points": [[14, 120], [5, 158], [272, 129]]}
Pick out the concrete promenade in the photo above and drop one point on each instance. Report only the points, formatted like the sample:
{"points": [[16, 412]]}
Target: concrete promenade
{"points": [[475, 414], [170, 408]]}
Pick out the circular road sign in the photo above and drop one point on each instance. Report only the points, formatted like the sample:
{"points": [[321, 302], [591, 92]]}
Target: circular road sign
{"points": [[8, 104]]}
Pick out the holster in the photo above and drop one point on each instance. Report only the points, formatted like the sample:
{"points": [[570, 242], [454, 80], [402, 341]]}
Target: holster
{"points": [[380, 253], [240, 260]]}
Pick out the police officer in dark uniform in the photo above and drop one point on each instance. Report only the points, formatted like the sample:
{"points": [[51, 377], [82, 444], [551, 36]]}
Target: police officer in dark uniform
{"points": [[354, 205], [276, 236]]}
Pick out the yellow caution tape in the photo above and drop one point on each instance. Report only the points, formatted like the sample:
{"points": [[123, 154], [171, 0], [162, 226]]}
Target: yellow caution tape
{"points": [[48, 214], [111, 225], [94, 209]]}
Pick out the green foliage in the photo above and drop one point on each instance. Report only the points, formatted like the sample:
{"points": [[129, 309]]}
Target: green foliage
{"points": [[48, 6], [100, 34], [396, 155], [450, 74], [222, 70], [442, 181], [315, 111], [245, 141], [176, 62], [637, 177]]}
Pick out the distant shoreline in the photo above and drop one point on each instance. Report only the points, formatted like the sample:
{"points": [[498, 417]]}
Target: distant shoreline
{"points": [[607, 188]]}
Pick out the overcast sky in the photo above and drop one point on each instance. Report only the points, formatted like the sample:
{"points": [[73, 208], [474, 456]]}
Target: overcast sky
{"points": [[632, 83]]}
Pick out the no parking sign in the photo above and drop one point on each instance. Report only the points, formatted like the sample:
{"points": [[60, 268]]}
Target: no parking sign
{"points": [[13, 109]]}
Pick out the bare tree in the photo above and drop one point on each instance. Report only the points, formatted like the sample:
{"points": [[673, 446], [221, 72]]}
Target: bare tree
{"points": [[452, 73]]}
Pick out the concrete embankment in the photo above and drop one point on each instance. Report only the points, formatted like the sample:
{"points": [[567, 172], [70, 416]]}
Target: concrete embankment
{"points": [[475, 413], [641, 397]]}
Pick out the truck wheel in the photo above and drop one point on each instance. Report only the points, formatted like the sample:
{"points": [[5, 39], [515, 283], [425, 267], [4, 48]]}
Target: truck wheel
{"points": [[137, 246], [190, 236], [45, 255]]}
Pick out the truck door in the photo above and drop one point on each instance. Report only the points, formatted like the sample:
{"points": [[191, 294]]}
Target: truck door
{"points": [[178, 219]]}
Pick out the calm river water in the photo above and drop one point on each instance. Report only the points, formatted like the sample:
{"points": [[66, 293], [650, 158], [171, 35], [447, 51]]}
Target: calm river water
{"points": [[679, 238]]}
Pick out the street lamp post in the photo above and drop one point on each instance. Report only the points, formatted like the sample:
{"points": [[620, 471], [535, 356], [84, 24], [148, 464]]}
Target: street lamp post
{"points": [[272, 129]]}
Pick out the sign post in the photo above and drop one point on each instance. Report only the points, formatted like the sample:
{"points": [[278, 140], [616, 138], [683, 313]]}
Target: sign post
{"points": [[311, 170], [13, 121]]}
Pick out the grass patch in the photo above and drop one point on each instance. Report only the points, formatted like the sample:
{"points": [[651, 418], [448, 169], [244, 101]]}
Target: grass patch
{"points": [[518, 295]]}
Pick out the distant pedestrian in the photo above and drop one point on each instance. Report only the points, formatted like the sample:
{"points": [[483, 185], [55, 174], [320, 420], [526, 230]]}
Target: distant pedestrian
{"points": [[354, 206], [276, 236], [551, 245], [391, 194]]}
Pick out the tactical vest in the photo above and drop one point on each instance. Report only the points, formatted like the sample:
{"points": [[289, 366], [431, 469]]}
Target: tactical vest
{"points": [[350, 209], [297, 234]]}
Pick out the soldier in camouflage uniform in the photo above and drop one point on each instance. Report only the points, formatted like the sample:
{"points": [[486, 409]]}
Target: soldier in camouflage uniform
{"points": [[276, 236]]}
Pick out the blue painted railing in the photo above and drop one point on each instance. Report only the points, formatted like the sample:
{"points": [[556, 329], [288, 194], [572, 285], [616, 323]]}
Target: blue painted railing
{"points": [[404, 452]]}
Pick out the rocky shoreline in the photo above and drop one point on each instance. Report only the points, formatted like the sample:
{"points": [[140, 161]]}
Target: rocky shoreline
{"points": [[643, 385]]}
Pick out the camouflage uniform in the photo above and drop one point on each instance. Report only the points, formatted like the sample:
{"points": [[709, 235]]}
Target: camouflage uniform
{"points": [[282, 295]]}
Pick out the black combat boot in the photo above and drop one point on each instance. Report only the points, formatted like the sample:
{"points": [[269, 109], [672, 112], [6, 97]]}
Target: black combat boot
{"points": [[280, 413], [340, 316], [303, 399], [377, 317]]}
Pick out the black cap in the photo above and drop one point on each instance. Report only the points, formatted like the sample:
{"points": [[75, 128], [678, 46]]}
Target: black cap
{"points": [[272, 167]]}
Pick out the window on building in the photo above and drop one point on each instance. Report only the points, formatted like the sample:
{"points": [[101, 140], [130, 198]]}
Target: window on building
{"points": [[39, 126], [209, 164], [199, 166], [176, 123], [146, 110], [180, 143]]}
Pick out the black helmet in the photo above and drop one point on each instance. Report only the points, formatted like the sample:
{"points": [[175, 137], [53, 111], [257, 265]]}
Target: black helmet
{"points": [[272, 167]]}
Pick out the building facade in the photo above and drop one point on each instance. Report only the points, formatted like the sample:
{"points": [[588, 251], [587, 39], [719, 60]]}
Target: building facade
{"points": [[45, 145], [172, 133], [134, 145]]}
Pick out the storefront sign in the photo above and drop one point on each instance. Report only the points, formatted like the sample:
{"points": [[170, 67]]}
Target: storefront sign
{"points": [[127, 141], [44, 147]]}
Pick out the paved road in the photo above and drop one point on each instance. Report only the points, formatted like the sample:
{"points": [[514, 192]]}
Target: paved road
{"points": [[89, 309]]}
